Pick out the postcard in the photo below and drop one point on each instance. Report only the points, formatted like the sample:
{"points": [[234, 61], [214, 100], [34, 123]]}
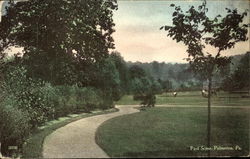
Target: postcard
{"points": [[124, 78]]}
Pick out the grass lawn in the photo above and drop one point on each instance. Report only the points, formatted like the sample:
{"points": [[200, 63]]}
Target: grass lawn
{"points": [[169, 132], [34, 145], [192, 98]]}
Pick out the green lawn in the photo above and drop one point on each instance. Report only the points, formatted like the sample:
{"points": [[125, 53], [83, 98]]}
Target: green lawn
{"points": [[192, 98], [169, 132]]}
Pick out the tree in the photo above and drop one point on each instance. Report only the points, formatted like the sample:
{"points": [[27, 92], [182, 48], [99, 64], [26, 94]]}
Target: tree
{"points": [[136, 71], [156, 69], [166, 85], [143, 86], [196, 30], [122, 68], [58, 29], [156, 87], [239, 79], [105, 76]]}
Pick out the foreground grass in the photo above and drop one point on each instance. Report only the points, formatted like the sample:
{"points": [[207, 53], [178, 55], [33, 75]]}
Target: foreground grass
{"points": [[34, 145], [169, 132], [192, 98]]}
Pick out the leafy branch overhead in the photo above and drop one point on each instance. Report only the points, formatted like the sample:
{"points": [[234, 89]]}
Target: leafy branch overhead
{"points": [[196, 30], [60, 26]]}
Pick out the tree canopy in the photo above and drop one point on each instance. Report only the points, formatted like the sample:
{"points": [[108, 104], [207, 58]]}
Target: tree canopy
{"points": [[239, 79], [52, 31]]}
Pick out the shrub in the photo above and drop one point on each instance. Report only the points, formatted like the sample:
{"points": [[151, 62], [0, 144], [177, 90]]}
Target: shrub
{"points": [[73, 99], [64, 101], [28, 103], [14, 125], [148, 99], [28, 95], [106, 99], [88, 98]]}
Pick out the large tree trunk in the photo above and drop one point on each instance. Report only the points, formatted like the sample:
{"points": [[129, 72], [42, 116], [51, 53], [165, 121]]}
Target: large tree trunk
{"points": [[209, 114]]}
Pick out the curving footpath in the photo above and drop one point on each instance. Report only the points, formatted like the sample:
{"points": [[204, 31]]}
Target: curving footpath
{"points": [[77, 139]]}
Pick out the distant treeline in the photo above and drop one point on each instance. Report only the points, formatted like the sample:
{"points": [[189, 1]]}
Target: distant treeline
{"points": [[178, 76]]}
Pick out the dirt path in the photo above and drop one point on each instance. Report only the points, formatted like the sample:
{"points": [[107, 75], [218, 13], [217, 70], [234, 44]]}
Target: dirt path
{"points": [[77, 139]]}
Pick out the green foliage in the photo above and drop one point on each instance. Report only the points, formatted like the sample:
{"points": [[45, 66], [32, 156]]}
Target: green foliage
{"points": [[169, 75], [156, 87], [62, 46], [67, 25], [166, 85], [32, 102], [26, 92], [140, 85], [149, 100], [105, 76], [73, 99], [109, 76], [143, 86], [14, 124], [123, 71], [141, 82], [65, 67], [239, 79], [58, 70], [136, 71], [43, 101]]}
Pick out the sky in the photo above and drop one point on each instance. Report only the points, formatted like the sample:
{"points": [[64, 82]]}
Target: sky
{"points": [[138, 37]]}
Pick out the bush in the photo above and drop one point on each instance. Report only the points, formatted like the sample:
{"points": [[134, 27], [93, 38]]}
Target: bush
{"points": [[88, 98], [30, 95], [148, 99], [72, 99], [14, 125], [64, 101], [28, 103], [43, 101], [107, 99]]}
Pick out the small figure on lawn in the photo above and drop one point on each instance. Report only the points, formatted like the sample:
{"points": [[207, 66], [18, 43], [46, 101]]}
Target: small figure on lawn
{"points": [[175, 94]]}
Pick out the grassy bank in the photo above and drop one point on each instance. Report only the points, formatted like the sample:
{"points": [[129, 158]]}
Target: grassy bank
{"points": [[193, 98], [34, 145], [170, 132]]}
